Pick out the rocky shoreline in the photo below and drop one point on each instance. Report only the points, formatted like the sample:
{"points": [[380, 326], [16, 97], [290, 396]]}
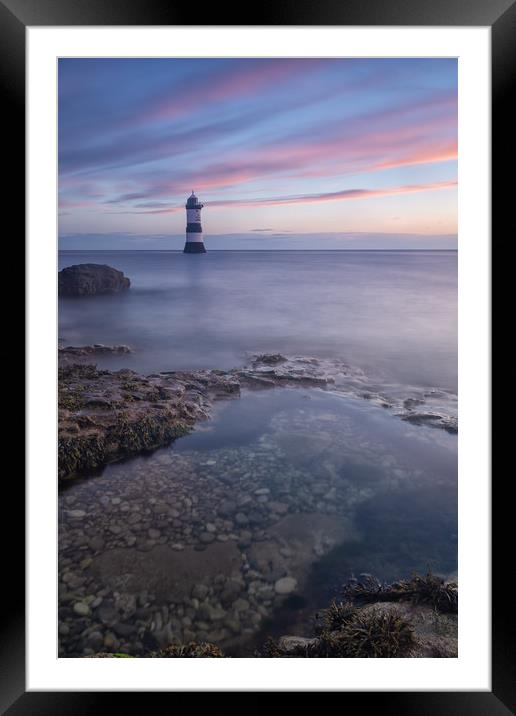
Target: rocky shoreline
{"points": [[109, 415], [412, 618], [183, 548]]}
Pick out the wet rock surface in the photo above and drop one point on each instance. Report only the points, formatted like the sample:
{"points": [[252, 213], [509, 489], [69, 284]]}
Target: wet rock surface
{"points": [[430, 407], [91, 279], [73, 354], [429, 634], [107, 415], [414, 618]]}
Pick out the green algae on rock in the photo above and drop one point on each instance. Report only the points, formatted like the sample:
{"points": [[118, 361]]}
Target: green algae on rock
{"points": [[374, 628], [108, 415], [193, 650], [419, 589]]}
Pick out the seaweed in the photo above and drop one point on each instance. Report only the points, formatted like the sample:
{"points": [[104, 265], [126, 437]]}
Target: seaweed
{"points": [[355, 633], [87, 453], [337, 615], [270, 650], [79, 454], [428, 589], [193, 650], [69, 396], [371, 635], [360, 627], [145, 433]]}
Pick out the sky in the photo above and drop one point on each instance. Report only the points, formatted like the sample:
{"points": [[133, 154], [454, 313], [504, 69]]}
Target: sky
{"points": [[284, 153]]}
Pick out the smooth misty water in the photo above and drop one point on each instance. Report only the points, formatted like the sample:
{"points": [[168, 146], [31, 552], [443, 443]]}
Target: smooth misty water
{"points": [[297, 481], [391, 313]]}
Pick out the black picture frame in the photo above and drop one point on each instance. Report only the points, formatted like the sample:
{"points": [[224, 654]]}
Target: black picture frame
{"points": [[15, 17]]}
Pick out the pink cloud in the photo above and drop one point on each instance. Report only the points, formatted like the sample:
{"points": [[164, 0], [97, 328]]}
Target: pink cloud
{"points": [[342, 195], [345, 194], [321, 158]]}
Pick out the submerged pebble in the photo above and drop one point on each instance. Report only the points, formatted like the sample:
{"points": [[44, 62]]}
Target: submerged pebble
{"points": [[286, 585], [278, 503]]}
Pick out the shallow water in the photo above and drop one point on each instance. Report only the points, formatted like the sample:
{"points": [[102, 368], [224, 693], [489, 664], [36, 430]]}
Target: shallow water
{"points": [[391, 313], [190, 542]]}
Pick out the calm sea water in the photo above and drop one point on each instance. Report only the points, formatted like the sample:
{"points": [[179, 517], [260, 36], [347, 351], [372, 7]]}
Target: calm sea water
{"points": [[393, 313], [188, 542]]}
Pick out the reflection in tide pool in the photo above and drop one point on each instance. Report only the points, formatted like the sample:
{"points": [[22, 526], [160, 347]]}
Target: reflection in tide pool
{"points": [[250, 524]]}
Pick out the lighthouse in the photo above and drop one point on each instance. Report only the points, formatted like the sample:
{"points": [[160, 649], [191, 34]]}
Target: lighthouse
{"points": [[194, 241]]}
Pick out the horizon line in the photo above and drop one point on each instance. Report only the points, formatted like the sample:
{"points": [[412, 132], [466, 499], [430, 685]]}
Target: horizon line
{"points": [[246, 251]]}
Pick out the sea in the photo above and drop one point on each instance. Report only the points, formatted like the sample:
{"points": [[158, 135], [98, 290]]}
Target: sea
{"points": [[316, 486]]}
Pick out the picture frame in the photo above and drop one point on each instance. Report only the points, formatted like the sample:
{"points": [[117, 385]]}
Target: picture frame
{"points": [[500, 15]]}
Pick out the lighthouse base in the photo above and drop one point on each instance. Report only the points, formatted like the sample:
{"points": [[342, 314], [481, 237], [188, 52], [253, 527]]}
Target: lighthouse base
{"points": [[194, 247]]}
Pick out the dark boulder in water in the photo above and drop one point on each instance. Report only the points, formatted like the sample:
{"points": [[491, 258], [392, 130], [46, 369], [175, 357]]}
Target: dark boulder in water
{"points": [[91, 279]]}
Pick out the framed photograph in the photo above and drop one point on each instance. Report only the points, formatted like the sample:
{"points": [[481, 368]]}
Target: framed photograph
{"points": [[258, 259]]}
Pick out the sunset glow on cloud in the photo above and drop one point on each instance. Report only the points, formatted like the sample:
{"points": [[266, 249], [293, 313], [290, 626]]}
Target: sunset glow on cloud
{"points": [[294, 145]]}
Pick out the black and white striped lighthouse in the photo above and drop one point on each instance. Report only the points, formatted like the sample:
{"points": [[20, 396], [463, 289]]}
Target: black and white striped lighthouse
{"points": [[194, 241]]}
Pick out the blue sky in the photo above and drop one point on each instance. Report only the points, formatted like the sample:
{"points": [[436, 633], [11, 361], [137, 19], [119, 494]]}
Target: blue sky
{"points": [[340, 150]]}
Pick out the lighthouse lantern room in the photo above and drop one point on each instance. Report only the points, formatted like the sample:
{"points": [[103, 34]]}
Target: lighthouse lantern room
{"points": [[194, 239]]}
